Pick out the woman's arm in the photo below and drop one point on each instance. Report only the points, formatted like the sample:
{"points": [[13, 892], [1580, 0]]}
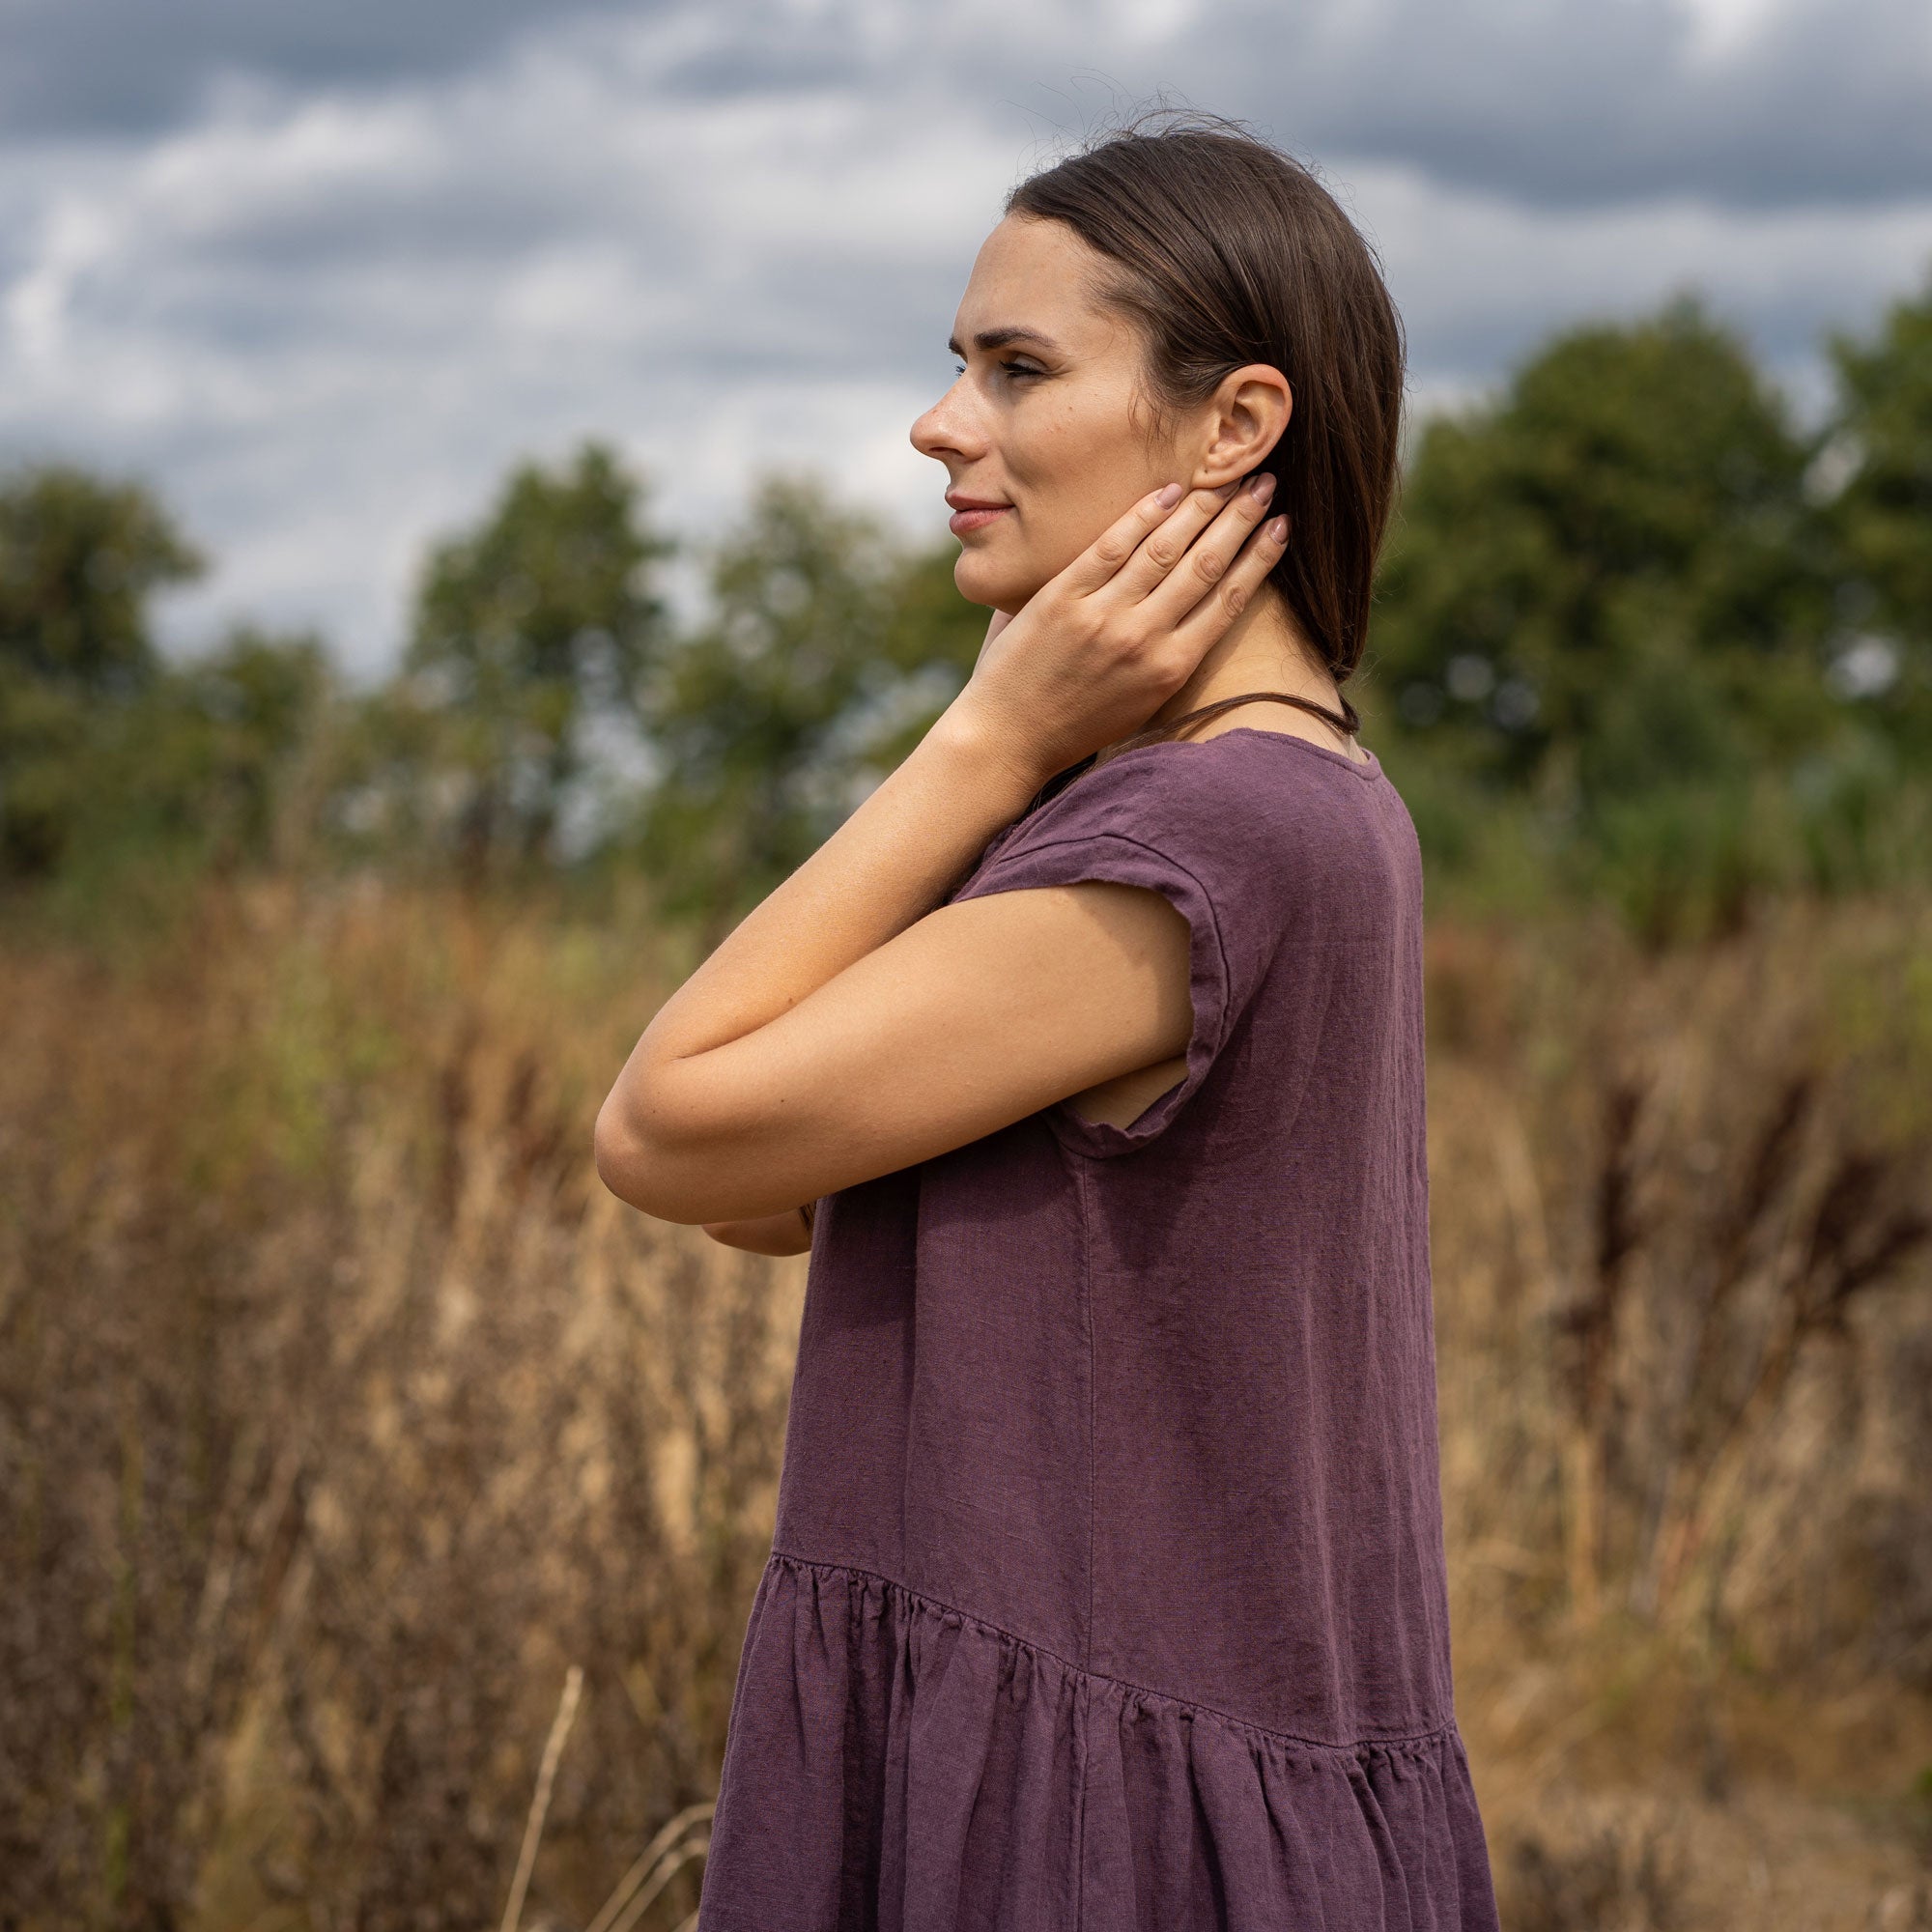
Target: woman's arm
{"points": [[786, 1234], [852, 1024]]}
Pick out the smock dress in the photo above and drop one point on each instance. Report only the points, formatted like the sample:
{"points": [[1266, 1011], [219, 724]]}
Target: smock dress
{"points": [[1107, 1590]]}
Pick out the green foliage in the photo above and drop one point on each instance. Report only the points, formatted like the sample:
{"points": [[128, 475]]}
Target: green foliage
{"points": [[202, 769], [827, 653], [79, 558], [47, 730], [525, 628], [1615, 600], [118, 769], [213, 754], [1609, 578], [1882, 518]]}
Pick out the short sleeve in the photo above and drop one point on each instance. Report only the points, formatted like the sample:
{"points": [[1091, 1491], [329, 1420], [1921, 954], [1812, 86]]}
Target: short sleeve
{"points": [[1175, 818]]}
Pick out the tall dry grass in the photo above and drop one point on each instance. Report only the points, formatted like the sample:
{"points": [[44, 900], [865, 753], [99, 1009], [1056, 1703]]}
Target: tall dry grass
{"points": [[342, 1413], [1680, 1219], [383, 1501]]}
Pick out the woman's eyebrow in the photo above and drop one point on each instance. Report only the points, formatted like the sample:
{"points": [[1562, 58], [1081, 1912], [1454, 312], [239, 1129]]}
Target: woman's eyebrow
{"points": [[989, 339]]}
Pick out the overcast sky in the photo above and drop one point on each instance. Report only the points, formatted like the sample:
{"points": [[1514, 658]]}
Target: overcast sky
{"points": [[322, 272]]}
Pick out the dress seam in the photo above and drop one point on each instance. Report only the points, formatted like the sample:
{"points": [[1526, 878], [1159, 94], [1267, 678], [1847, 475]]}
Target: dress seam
{"points": [[1442, 1730], [1080, 1187], [1082, 1756], [1080, 1183]]}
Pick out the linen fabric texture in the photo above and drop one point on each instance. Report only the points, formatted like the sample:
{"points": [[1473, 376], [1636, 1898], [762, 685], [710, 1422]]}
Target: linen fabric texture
{"points": [[1107, 1591]]}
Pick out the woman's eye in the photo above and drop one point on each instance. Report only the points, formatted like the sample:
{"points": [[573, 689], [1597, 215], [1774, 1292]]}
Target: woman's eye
{"points": [[1005, 369]]}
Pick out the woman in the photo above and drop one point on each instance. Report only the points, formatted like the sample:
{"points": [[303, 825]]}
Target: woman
{"points": [[1107, 1589]]}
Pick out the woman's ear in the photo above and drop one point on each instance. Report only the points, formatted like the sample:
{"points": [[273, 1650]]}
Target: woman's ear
{"points": [[1242, 421]]}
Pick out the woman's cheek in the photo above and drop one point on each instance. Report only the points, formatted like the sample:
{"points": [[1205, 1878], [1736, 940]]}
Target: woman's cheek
{"points": [[1060, 544]]}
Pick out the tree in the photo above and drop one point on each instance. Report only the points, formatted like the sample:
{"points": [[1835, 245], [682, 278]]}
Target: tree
{"points": [[828, 652], [526, 629], [81, 560], [213, 755], [194, 769], [1610, 579], [1880, 457]]}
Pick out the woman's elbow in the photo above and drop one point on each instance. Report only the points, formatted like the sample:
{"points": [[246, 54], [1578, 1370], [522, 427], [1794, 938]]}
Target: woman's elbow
{"points": [[634, 1164], [683, 1171]]}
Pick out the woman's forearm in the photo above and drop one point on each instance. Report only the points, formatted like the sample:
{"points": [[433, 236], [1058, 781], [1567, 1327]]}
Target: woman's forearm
{"points": [[891, 862]]}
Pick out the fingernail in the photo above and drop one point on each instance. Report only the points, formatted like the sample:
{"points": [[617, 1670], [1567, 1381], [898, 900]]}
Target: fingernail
{"points": [[1262, 487], [1277, 530], [1171, 494]]}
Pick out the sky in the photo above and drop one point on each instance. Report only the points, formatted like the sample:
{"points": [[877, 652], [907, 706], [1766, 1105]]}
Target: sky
{"points": [[321, 274]]}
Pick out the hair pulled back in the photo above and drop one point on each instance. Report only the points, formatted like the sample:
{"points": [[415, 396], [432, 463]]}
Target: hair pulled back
{"points": [[1226, 251]]}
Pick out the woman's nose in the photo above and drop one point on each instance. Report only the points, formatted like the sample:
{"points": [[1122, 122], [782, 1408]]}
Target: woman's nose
{"points": [[946, 430]]}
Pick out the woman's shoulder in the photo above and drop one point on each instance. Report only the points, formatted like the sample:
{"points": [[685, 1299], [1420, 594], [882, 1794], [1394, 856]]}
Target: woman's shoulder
{"points": [[1250, 815], [1236, 788]]}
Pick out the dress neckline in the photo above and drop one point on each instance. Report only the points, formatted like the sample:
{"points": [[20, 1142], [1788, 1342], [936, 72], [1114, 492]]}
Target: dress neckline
{"points": [[1369, 767]]}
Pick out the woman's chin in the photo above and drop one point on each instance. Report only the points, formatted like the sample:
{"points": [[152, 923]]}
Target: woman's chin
{"points": [[998, 585]]}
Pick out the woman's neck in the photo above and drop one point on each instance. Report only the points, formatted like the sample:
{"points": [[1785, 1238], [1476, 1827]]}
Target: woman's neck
{"points": [[1261, 650]]}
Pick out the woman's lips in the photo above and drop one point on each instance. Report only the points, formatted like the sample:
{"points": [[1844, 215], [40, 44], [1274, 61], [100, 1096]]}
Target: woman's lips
{"points": [[976, 517]]}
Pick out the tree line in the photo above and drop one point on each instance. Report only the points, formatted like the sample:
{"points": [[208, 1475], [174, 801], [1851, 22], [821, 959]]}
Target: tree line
{"points": [[1639, 634]]}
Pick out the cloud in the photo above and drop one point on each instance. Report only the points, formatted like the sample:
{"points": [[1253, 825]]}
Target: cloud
{"points": [[325, 315], [1778, 104], [1570, 102], [130, 67], [325, 326]]}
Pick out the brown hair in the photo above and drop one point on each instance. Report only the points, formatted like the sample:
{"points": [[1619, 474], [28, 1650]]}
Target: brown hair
{"points": [[1227, 251]]}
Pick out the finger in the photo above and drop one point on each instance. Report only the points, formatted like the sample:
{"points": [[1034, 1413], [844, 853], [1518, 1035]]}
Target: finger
{"points": [[1208, 623], [1098, 563], [1210, 557], [1167, 542]]}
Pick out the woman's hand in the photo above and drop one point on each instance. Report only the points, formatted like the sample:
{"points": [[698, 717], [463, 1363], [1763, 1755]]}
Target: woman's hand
{"points": [[1097, 651], [785, 1234]]}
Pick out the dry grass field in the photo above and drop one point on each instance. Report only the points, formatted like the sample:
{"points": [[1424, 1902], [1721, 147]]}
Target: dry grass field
{"points": [[382, 1502]]}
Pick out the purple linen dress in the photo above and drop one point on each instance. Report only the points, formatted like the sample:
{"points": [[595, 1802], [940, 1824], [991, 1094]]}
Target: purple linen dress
{"points": [[1107, 1591]]}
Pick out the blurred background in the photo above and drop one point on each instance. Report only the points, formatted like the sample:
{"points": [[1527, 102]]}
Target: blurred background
{"points": [[458, 550]]}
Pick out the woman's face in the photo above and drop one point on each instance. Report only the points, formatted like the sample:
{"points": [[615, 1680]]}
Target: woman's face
{"points": [[1044, 434]]}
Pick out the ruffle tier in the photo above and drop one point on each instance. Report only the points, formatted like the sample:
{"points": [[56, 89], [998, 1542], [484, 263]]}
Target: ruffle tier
{"points": [[895, 1765]]}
